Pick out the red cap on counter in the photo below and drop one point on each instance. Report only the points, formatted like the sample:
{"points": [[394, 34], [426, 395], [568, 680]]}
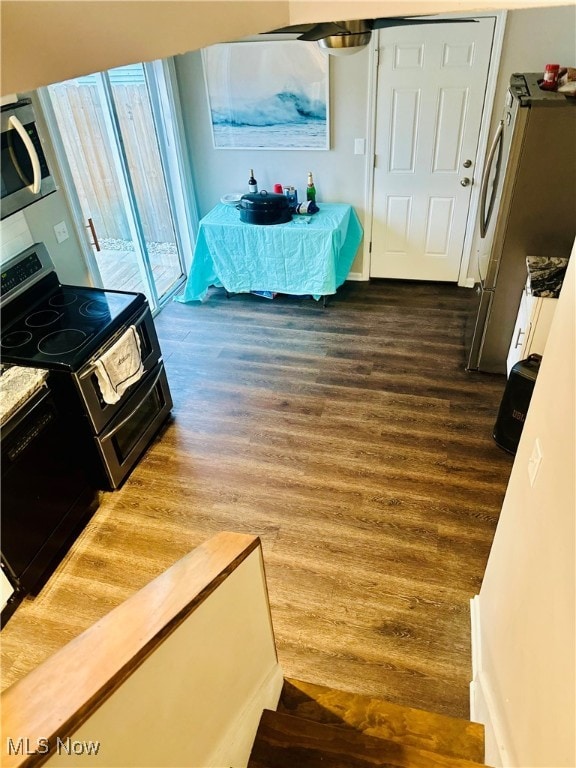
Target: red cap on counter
{"points": [[550, 80]]}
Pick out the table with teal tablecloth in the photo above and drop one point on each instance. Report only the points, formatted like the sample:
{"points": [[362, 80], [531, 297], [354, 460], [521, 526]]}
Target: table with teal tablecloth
{"points": [[310, 255]]}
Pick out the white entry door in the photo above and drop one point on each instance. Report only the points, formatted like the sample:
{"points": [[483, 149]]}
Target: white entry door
{"points": [[431, 85]]}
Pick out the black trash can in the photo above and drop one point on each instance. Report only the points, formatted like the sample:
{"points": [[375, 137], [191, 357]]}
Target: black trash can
{"points": [[515, 402]]}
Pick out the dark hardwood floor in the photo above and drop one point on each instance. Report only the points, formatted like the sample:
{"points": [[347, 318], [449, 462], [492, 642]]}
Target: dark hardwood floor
{"points": [[353, 441]]}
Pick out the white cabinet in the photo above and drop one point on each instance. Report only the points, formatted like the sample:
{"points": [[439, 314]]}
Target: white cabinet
{"points": [[532, 326]]}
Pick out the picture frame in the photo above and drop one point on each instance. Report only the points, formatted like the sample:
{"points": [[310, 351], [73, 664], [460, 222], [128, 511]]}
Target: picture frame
{"points": [[268, 95]]}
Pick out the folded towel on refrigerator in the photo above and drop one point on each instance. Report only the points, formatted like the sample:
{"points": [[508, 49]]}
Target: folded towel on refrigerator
{"points": [[120, 366]]}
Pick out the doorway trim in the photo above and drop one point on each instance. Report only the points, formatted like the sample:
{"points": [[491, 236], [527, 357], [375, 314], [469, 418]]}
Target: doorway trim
{"points": [[491, 82]]}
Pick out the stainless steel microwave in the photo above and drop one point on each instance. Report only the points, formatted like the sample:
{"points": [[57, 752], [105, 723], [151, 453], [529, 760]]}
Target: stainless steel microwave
{"points": [[26, 177]]}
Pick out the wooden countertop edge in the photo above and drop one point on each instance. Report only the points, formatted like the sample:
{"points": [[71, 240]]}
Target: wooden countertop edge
{"points": [[59, 695]]}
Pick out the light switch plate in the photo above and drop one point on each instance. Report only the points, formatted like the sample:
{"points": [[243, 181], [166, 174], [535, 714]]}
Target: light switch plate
{"points": [[61, 232], [534, 461], [359, 146]]}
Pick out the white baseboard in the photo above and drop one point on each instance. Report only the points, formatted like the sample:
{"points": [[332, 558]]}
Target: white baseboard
{"points": [[483, 702], [476, 639], [357, 276], [469, 282]]}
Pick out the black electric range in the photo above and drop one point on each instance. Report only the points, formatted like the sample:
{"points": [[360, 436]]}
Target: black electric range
{"points": [[58, 326], [67, 330]]}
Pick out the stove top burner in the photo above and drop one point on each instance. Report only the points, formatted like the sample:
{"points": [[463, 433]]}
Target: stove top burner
{"points": [[42, 318], [60, 327], [95, 308], [61, 342], [15, 339], [63, 299]]}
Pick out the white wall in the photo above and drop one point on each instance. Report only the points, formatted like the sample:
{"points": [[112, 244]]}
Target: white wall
{"points": [[339, 174], [76, 38], [67, 257], [35, 225], [526, 609], [535, 37]]}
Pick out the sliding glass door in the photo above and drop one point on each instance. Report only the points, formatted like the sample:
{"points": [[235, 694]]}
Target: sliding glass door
{"points": [[121, 149]]}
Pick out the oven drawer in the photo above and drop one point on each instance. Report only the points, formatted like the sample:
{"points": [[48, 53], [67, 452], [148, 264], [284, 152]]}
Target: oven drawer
{"points": [[100, 413], [131, 430]]}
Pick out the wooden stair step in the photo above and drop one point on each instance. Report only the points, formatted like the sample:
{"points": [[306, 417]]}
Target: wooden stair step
{"points": [[285, 741], [450, 736]]}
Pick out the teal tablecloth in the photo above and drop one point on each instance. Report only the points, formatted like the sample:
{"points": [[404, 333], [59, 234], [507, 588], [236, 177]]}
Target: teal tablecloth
{"points": [[308, 255]]}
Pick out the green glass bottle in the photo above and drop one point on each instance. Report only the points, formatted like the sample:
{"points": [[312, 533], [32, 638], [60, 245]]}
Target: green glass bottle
{"points": [[310, 189]]}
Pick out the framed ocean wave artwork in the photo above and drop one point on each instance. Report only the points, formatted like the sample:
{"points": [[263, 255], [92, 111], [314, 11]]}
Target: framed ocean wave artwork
{"points": [[268, 95]]}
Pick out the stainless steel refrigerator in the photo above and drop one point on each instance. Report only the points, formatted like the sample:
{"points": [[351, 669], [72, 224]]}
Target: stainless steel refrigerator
{"points": [[527, 208]]}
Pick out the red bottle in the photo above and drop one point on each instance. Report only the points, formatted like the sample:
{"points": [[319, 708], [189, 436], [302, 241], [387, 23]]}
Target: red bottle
{"points": [[550, 81]]}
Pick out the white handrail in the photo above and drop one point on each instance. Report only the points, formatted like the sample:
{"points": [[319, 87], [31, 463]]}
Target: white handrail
{"points": [[157, 635]]}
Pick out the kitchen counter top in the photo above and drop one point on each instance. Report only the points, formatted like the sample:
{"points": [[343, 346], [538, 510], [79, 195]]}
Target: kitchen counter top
{"points": [[17, 385], [546, 274]]}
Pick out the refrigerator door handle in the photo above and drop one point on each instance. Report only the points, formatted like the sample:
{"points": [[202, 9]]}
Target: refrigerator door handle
{"points": [[495, 152]]}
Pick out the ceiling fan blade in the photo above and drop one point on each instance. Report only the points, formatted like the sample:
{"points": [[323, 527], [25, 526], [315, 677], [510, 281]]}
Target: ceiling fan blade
{"points": [[408, 21], [324, 29], [295, 29]]}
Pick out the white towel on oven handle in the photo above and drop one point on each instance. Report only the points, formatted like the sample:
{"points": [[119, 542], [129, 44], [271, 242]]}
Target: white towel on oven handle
{"points": [[120, 366]]}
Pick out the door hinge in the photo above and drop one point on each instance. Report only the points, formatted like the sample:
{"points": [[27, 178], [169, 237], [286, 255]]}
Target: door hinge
{"points": [[370, 247]]}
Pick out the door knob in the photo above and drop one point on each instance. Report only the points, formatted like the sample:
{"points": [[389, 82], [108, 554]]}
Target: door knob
{"points": [[467, 163], [465, 181]]}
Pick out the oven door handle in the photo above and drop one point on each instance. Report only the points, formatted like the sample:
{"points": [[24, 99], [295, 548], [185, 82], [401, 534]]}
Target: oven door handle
{"points": [[125, 420], [92, 367], [31, 149]]}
